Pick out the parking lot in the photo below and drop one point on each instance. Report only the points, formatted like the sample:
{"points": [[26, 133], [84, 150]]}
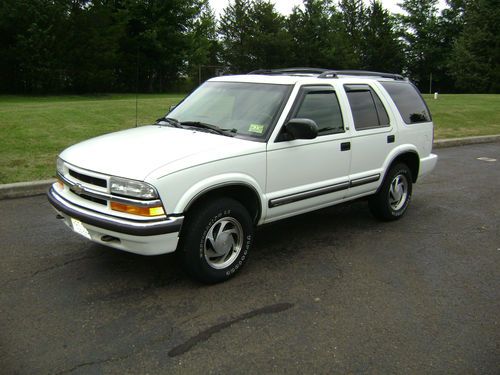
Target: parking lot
{"points": [[333, 291]]}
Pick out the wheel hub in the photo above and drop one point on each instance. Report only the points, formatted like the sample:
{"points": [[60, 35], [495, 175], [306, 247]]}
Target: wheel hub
{"points": [[223, 242], [398, 192]]}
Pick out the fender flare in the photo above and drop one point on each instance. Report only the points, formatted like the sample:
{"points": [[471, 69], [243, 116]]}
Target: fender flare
{"points": [[397, 152], [205, 186]]}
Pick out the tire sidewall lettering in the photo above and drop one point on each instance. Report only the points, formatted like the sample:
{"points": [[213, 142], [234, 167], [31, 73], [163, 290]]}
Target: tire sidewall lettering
{"points": [[200, 222], [238, 262]]}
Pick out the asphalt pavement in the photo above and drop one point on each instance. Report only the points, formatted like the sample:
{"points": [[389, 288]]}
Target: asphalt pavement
{"points": [[333, 291]]}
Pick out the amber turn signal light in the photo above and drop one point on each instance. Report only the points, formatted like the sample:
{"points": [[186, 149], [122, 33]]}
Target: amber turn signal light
{"points": [[137, 210]]}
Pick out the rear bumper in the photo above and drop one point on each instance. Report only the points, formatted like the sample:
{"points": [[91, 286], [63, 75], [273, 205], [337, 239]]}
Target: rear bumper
{"points": [[140, 237], [427, 164]]}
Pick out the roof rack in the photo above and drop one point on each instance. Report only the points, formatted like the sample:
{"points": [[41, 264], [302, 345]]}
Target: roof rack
{"points": [[289, 71], [326, 73], [362, 73]]}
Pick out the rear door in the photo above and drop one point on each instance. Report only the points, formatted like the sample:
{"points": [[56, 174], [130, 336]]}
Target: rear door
{"points": [[306, 174], [373, 137]]}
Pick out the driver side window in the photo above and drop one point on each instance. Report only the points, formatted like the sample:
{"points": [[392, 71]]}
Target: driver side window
{"points": [[323, 108]]}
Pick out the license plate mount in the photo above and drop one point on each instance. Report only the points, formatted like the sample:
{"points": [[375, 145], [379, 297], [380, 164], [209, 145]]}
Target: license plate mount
{"points": [[79, 228]]}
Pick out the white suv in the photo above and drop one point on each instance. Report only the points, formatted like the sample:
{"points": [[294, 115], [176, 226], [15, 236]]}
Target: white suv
{"points": [[242, 151]]}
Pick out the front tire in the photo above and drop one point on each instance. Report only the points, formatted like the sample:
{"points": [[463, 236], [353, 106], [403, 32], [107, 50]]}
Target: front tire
{"points": [[216, 240], [394, 196]]}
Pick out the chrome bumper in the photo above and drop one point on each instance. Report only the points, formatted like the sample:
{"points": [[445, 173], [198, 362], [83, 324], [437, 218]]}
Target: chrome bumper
{"points": [[172, 224]]}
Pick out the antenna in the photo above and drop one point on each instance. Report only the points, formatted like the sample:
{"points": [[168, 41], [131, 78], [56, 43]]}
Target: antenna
{"points": [[136, 85]]}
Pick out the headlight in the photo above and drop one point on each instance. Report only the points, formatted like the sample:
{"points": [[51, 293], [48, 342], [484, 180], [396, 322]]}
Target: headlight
{"points": [[60, 166], [132, 188]]}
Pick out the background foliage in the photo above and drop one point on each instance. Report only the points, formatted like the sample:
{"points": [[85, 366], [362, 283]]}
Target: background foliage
{"points": [[91, 46]]}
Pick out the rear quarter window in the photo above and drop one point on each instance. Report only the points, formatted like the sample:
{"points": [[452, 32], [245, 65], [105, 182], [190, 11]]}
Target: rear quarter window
{"points": [[367, 109], [409, 102]]}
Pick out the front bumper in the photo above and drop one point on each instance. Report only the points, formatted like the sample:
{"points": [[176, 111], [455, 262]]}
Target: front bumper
{"points": [[149, 237]]}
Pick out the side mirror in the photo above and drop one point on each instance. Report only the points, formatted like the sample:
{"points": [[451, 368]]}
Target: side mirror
{"points": [[301, 128]]}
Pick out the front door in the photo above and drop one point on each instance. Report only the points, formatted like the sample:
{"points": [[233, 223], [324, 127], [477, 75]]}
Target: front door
{"points": [[307, 174]]}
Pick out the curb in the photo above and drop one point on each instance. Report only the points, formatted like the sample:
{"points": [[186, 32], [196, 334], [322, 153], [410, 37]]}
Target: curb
{"points": [[28, 189], [24, 189], [451, 142]]}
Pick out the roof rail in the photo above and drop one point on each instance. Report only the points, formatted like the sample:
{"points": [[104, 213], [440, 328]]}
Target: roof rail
{"points": [[289, 71], [362, 73], [326, 73]]}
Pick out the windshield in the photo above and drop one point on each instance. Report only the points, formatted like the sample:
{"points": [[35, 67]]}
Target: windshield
{"points": [[245, 109]]}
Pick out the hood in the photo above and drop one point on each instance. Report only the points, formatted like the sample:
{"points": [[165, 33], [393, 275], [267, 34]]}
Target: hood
{"points": [[136, 153]]}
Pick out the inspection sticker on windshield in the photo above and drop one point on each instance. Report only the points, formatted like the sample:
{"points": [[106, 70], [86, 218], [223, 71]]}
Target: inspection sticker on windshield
{"points": [[79, 228], [256, 128]]}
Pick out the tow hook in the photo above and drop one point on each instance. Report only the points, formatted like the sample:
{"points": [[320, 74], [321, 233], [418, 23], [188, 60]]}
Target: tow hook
{"points": [[107, 238]]}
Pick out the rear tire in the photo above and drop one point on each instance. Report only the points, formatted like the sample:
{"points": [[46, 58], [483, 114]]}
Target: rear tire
{"points": [[394, 196], [215, 241]]}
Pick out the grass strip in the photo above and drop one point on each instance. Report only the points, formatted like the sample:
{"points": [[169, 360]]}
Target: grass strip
{"points": [[33, 130]]}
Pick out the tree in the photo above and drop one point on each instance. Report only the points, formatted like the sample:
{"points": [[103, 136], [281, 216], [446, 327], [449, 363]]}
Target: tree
{"points": [[450, 27], [422, 41], [269, 43], [475, 56], [382, 50], [234, 30], [30, 57], [253, 36], [316, 35], [354, 21], [150, 45], [101, 45], [91, 47], [161, 42], [205, 47], [452, 19]]}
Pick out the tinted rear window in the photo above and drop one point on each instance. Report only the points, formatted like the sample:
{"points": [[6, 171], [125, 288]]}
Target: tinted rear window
{"points": [[409, 102], [363, 109], [367, 109]]}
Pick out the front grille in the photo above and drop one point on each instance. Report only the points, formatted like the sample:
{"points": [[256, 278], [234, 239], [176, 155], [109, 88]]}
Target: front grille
{"points": [[88, 179], [93, 199]]}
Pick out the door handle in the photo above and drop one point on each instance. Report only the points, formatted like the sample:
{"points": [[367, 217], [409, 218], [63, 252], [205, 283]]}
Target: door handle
{"points": [[391, 138], [345, 146]]}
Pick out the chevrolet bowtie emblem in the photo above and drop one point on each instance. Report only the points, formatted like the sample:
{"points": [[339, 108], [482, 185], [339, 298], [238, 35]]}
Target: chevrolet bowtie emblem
{"points": [[78, 189]]}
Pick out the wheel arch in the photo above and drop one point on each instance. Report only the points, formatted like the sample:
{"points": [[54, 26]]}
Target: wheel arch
{"points": [[242, 192], [408, 157]]}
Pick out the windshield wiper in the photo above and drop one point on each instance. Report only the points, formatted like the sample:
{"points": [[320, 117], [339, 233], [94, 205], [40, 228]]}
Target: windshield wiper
{"points": [[196, 124], [204, 125], [171, 121]]}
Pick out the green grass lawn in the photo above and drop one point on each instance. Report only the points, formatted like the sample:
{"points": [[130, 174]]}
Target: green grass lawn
{"points": [[464, 115], [33, 130]]}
